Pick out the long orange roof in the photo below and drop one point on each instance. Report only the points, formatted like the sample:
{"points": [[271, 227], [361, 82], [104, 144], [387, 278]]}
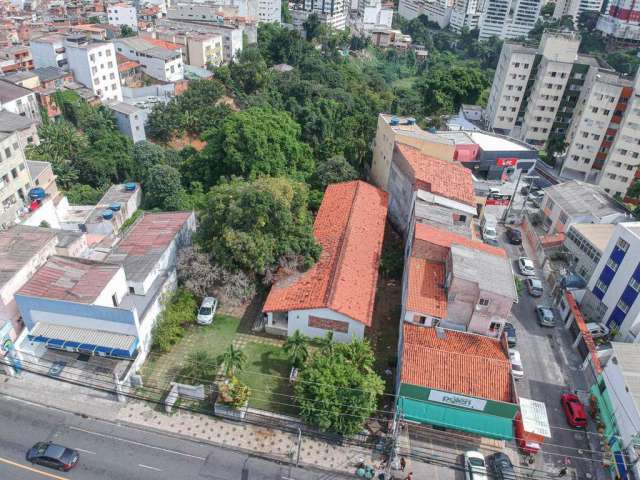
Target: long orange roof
{"points": [[350, 228], [445, 238], [425, 292], [461, 362]]}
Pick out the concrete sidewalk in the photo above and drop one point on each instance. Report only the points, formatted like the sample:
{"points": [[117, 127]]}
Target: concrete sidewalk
{"points": [[271, 443]]}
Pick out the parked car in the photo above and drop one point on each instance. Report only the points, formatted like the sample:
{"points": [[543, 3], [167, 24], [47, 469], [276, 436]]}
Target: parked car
{"points": [[536, 198], [52, 455], [546, 317], [534, 286], [207, 310], [502, 466], [491, 241], [516, 364], [526, 267], [475, 466], [510, 332], [515, 236], [598, 330], [574, 410]]}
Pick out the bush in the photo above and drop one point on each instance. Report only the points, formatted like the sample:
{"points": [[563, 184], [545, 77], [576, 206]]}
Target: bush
{"points": [[178, 312], [233, 393]]}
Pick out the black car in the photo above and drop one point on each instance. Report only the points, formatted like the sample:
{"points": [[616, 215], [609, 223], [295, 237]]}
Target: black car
{"points": [[514, 236], [510, 332], [502, 466], [51, 455]]}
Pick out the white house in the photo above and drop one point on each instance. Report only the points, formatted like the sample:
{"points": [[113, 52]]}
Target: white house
{"points": [[120, 14], [48, 51], [338, 293], [19, 100], [159, 59]]}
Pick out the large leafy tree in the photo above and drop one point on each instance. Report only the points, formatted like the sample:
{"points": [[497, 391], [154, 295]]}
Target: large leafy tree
{"points": [[339, 392], [162, 188], [296, 348], [257, 141], [255, 226], [445, 89]]}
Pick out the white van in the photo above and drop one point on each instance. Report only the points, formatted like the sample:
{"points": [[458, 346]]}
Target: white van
{"points": [[207, 311], [488, 227]]}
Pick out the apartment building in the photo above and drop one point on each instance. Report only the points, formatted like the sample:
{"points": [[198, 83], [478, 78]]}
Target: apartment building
{"points": [[129, 119], [595, 138], [586, 242], [439, 11], [615, 283], [205, 49], [622, 20], [466, 13], [120, 14], [574, 8], [332, 14], [179, 32], [15, 179], [48, 51], [508, 19], [158, 59], [19, 100]]}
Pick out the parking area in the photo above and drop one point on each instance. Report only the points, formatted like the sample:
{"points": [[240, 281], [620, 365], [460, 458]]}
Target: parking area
{"points": [[551, 368]]}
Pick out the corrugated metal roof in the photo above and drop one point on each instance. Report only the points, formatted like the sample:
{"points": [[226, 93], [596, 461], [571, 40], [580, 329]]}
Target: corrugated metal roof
{"points": [[84, 335]]}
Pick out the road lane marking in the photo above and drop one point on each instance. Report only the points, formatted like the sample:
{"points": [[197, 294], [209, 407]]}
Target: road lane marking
{"points": [[34, 470], [133, 442], [84, 451], [150, 468]]}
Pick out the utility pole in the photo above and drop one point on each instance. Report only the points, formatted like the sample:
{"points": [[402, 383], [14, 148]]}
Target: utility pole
{"points": [[394, 440], [299, 445], [513, 197]]}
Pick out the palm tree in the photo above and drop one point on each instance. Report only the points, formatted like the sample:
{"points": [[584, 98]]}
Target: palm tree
{"points": [[296, 348], [326, 343], [233, 360], [200, 366]]}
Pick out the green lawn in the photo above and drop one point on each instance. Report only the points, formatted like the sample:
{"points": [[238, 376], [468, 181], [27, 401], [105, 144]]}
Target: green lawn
{"points": [[267, 372]]}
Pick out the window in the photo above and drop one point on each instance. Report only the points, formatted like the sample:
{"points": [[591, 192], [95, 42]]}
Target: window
{"points": [[612, 264], [563, 218], [550, 204], [635, 284], [114, 299], [622, 305], [622, 244], [7, 152], [483, 302], [14, 173], [132, 290], [600, 285]]}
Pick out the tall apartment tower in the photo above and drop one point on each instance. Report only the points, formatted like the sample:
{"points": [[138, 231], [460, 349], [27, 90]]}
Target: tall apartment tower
{"points": [[574, 8], [439, 11], [622, 20], [508, 19], [466, 13], [332, 13], [601, 143]]}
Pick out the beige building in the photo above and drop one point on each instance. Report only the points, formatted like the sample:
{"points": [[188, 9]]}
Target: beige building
{"points": [[204, 49], [15, 182], [392, 129]]}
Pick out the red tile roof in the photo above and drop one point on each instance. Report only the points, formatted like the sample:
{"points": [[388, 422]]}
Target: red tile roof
{"points": [[440, 177], [71, 279], [463, 363], [163, 43], [445, 238], [125, 64], [586, 334], [350, 228], [425, 292]]}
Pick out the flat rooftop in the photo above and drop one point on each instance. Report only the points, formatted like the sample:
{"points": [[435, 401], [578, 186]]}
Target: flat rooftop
{"points": [[579, 198], [488, 142], [71, 279], [598, 234], [628, 357], [18, 246], [492, 273], [407, 126]]}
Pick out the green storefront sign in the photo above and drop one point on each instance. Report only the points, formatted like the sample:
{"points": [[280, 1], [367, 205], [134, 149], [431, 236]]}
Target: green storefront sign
{"points": [[487, 418]]}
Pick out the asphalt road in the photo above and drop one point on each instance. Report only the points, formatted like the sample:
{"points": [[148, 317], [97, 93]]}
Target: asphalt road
{"points": [[114, 452], [552, 367]]}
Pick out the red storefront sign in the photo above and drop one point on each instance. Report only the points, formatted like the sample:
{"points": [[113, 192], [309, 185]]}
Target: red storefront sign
{"points": [[506, 162]]}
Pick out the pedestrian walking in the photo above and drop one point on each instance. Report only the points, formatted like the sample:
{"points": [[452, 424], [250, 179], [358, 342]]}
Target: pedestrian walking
{"points": [[403, 463]]}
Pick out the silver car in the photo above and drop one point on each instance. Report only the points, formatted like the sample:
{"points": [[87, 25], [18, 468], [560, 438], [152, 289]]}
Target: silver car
{"points": [[526, 267], [546, 317], [207, 310]]}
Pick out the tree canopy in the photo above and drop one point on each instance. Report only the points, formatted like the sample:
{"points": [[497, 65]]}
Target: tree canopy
{"points": [[339, 391], [258, 225]]}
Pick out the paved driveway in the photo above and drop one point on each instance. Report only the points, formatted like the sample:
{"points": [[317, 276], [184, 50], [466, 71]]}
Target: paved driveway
{"points": [[552, 367]]}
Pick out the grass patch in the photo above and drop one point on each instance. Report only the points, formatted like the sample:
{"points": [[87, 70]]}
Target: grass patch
{"points": [[405, 83], [266, 373]]}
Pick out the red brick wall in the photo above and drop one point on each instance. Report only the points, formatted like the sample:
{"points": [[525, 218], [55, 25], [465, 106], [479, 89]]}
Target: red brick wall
{"points": [[327, 324]]}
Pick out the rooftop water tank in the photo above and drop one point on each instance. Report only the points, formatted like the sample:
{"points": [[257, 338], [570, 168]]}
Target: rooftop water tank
{"points": [[394, 121], [115, 207], [107, 214], [411, 121], [130, 187], [36, 193]]}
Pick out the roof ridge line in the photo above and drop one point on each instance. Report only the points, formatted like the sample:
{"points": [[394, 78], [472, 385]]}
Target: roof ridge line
{"points": [[456, 352], [341, 249]]}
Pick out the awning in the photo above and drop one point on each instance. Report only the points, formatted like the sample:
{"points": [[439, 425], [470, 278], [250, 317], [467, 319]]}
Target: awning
{"points": [[445, 416], [84, 340], [534, 417]]}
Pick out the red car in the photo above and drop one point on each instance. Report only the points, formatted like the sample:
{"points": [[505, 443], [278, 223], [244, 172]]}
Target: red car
{"points": [[574, 410]]}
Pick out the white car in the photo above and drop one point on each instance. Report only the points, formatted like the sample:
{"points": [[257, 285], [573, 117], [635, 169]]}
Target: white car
{"points": [[207, 311], [516, 364], [526, 267], [598, 330], [475, 466]]}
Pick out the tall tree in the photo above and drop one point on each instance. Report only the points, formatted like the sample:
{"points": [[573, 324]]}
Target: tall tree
{"points": [[162, 188], [233, 360], [296, 348]]}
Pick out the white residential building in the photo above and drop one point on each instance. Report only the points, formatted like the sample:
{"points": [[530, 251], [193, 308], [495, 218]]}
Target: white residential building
{"points": [[159, 59], [15, 180], [48, 51], [203, 50], [120, 14], [19, 100], [622, 20], [466, 13], [269, 11], [615, 283], [438, 11], [507, 19], [574, 8], [333, 14]]}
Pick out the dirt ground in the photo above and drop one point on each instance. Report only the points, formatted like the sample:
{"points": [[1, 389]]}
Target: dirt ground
{"points": [[178, 143]]}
